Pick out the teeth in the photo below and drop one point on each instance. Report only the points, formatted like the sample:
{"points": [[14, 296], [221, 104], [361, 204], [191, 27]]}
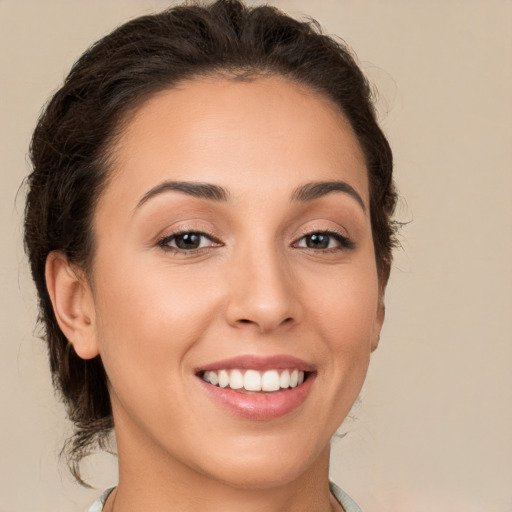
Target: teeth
{"points": [[294, 379], [213, 378], [270, 381], [253, 380], [223, 378], [284, 380], [236, 379]]}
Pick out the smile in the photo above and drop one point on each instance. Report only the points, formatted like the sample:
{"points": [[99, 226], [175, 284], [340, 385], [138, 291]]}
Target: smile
{"points": [[254, 380], [256, 387]]}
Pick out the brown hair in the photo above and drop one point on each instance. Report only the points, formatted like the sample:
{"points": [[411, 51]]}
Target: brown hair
{"points": [[72, 141]]}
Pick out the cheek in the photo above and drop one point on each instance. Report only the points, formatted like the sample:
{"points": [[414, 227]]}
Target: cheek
{"points": [[344, 312], [345, 305], [148, 318]]}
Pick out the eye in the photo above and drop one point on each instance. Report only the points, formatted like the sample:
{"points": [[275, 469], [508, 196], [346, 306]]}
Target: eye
{"points": [[324, 240], [187, 241]]}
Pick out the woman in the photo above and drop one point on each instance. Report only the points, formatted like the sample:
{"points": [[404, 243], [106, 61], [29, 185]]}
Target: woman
{"points": [[209, 228]]}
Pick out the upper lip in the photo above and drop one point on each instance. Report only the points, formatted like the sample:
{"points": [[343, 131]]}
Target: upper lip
{"points": [[256, 362]]}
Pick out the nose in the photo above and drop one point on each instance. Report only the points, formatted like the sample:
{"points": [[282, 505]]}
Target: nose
{"points": [[262, 292]]}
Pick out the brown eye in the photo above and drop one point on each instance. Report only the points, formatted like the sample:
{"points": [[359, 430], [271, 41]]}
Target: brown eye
{"points": [[317, 241], [187, 241], [325, 240]]}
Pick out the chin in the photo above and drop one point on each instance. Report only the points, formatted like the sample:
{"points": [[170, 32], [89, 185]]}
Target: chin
{"points": [[264, 467], [250, 475]]}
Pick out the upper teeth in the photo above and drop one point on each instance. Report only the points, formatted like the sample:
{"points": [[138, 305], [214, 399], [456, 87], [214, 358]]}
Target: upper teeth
{"points": [[253, 380]]}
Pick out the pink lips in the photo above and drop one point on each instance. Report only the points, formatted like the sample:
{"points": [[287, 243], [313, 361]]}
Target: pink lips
{"points": [[278, 362], [260, 406]]}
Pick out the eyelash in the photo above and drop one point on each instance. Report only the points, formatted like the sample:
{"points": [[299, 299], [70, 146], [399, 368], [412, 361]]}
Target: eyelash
{"points": [[164, 242], [344, 242]]}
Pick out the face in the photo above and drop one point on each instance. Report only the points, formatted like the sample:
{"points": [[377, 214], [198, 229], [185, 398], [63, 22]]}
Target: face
{"points": [[234, 244]]}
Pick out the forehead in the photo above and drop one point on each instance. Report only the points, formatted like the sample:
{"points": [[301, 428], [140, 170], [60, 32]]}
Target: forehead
{"points": [[245, 136]]}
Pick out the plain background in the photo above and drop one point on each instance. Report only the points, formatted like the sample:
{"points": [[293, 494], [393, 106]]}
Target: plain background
{"points": [[433, 429]]}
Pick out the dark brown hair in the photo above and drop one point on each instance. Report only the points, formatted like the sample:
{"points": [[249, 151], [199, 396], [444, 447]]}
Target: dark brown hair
{"points": [[73, 139]]}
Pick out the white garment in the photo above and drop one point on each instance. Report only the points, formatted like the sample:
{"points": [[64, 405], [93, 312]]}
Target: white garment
{"points": [[348, 504]]}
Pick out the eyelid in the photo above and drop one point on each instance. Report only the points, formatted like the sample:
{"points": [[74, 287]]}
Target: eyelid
{"points": [[163, 239], [187, 226], [343, 239]]}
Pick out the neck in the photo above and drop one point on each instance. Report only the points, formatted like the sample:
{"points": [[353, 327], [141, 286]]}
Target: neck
{"points": [[150, 481]]}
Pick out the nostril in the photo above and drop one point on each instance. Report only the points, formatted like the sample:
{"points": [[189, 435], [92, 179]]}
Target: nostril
{"points": [[247, 321]]}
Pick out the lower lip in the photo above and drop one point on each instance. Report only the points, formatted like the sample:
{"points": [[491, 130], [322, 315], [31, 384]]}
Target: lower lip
{"points": [[264, 406]]}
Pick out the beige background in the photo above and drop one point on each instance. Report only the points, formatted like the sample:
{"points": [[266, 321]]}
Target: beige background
{"points": [[433, 430]]}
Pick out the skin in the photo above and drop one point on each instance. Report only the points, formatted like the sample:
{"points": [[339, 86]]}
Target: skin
{"points": [[155, 314]]}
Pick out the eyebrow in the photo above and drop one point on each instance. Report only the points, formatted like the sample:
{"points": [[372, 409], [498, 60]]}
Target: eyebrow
{"points": [[195, 189], [304, 193], [315, 190]]}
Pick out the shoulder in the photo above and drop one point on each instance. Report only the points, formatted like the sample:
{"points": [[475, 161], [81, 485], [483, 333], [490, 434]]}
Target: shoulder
{"points": [[348, 504]]}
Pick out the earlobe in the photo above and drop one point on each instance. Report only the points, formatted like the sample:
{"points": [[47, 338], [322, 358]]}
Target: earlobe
{"points": [[379, 321], [73, 304]]}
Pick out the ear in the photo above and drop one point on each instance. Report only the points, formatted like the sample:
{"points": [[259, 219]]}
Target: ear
{"points": [[379, 320], [73, 304]]}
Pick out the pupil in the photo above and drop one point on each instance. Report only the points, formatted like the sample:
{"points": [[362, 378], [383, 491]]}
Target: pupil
{"points": [[318, 241], [188, 241]]}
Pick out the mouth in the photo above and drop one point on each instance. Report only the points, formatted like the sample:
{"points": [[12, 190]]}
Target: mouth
{"points": [[258, 388], [252, 380]]}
